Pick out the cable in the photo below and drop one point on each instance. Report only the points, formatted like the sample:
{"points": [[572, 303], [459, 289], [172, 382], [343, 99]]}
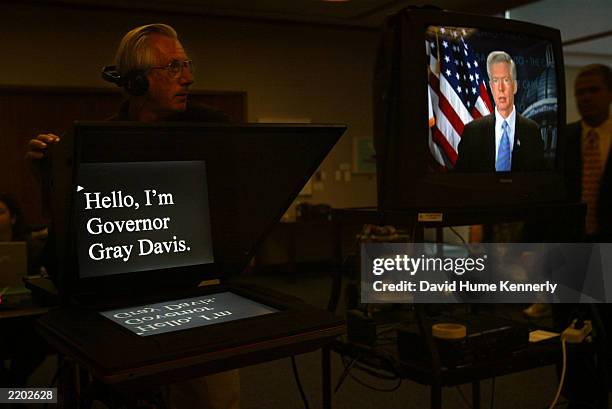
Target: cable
{"points": [[365, 385], [463, 397], [554, 402], [61, 363], [492, 394], [414, 227], [375, 373], [296, 375], [344, 373], [566, 403], [371, 372], [466, 400], [458, 235], [336, 284]]}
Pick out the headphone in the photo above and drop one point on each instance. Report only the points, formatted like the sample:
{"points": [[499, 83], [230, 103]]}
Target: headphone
{"points": [[135, 82]]}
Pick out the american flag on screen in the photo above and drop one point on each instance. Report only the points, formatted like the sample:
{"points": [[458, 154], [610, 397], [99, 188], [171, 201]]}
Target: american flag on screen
{"points": [[456, 88]]}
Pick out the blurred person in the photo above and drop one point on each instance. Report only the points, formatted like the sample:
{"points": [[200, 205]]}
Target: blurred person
{"points": [[14, 228], [588, 178], [21, 347], [588, 172], [12, 225]]}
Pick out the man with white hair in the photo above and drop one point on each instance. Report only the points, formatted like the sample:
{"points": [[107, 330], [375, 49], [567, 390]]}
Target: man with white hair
{"points": [[155, 73], [503, 141]]}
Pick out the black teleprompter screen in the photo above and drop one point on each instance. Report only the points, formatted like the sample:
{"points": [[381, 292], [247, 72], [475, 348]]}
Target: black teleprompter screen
{"points": [[170, 316], [140, 216]]}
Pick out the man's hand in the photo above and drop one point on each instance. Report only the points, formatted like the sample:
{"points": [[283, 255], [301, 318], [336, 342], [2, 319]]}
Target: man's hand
{"points": [[38, 147]]}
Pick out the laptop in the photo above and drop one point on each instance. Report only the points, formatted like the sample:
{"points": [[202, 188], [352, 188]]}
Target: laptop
{"points": [[13, 268], [145, 212], [13, 263]]}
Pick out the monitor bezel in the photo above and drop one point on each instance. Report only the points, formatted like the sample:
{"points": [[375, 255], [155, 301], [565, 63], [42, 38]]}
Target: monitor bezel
{"points": [[418, 188]]}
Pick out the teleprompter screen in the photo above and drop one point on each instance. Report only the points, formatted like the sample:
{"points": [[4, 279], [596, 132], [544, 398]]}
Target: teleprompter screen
{"points": [[170, 316], [139, 216]]}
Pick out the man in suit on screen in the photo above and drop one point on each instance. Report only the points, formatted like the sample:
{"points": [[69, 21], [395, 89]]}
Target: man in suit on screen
{"points": [[503, 141]]}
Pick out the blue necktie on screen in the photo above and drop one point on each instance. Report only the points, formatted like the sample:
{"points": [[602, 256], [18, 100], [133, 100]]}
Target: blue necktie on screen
{"points": [[504, 154]]}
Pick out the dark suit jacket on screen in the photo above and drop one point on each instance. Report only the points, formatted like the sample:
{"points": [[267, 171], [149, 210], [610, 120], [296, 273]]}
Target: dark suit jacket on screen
{"points": [[573, 180], [477, 146]]}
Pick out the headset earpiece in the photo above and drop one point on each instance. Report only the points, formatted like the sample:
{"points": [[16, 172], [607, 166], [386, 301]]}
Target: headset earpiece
{"points": [[134, 82], [110, 74]]}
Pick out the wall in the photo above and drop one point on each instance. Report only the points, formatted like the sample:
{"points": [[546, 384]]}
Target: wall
{"points": [[288, 71], [575, 20], [572, 109]]}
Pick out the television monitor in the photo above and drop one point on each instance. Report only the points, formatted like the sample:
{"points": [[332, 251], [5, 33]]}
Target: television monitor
{"points": [[434, 112]]}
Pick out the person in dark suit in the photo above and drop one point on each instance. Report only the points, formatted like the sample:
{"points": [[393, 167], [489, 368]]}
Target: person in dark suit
{"points": [[589, 179], [503, 141]]}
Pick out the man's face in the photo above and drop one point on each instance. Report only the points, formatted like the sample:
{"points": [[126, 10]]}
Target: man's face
{"points": [[593, 98], [167, 94], [503, 87]]}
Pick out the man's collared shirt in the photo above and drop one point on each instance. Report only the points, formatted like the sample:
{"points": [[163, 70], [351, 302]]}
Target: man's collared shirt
{"points": [[499, 120], [605, 137]]}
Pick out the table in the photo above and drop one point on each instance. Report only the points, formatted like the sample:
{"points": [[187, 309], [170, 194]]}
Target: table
{"points": [[30, 308], [429, 371], [425, 373]]}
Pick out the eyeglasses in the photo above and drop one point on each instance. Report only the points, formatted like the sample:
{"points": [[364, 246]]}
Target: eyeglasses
{"points": [[175, 67]]}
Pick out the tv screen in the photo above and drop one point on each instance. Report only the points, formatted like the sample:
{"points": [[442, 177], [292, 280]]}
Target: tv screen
{"points": [[467, 112], [488, 77]]}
